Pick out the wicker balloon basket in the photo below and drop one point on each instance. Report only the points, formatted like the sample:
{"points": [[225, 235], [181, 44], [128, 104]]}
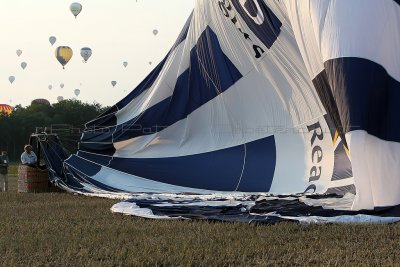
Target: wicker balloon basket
{"points": [[32, 180]]}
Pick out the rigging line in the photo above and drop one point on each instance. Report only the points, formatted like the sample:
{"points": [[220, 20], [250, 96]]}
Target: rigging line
{"points": [[244, 163]]}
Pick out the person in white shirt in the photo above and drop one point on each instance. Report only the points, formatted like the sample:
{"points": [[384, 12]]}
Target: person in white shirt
{"points": [[29, 157]]}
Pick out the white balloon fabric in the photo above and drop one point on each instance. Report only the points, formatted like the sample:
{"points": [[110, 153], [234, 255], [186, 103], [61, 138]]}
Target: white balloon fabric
{"points": [[11, 79], [23, 65], [19, 52], [86, 53], [75, 9], [52, 40], [260, 96]]}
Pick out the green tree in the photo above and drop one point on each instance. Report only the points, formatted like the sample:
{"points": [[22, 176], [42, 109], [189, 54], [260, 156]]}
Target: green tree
{"points": [[16, 129]]}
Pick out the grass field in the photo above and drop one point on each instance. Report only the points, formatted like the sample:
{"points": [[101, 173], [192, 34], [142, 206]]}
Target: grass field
{"points": [[59, 229]]}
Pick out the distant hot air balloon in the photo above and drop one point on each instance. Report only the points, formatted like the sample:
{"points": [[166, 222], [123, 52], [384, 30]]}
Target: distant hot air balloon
{"points": [[40, 101], [62, 85], [19, 52], [77, 92], [11, 79], [63, 55], [50, 87], [150, 62], [52, 40], [75, 8], [86, 52], [23, 65], [113, 83], [155, 32], [60, 98], [125, 64], [7, 109]]}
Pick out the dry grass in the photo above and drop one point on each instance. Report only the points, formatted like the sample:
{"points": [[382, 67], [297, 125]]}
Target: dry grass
{"points": [[58, 229]]}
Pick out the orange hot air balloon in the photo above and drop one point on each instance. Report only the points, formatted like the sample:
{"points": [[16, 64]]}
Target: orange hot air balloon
{"points": [[4, 108]]}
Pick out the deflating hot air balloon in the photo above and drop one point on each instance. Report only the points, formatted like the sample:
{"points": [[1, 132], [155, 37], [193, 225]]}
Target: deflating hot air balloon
{"points": [[86, 52], [75, 8], [63, 55], [60, 98], [125, 64], [50, 87], [11, 79], [77, 92], [62, 85], [268, 99], [113, 83], [23, 65], [6, 109], [19, 52], [52, 40], [155, 32]]}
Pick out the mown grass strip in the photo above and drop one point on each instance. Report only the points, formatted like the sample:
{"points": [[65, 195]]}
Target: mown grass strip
{"points": [[57, 229]]}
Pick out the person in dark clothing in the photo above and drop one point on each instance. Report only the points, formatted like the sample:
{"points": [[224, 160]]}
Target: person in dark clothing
{"points": [[4, 161]]}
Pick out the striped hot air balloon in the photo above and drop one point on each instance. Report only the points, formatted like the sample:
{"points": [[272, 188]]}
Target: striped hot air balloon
{"points": [[63, 55], [7, 109]]}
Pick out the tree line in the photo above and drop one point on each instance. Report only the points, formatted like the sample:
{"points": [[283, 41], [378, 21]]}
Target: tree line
{"points": [[67, 118]]}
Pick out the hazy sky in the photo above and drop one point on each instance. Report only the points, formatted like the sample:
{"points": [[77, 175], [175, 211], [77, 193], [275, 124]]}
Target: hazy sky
{"points": [[116, 31]]}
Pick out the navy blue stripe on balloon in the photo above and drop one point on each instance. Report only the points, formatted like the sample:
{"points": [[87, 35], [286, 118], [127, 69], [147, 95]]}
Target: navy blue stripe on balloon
{"points": [[397, 1], [367, 97], [210, 74], [108, 118], [220, 170], [342, 165], [260, 166], [103, 160], [269, 30], [86, 170], [98, 148], [89, 168]]}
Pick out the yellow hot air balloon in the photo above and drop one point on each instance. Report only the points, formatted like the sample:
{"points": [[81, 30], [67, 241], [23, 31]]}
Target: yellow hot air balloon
{"points": [[63, 55]]}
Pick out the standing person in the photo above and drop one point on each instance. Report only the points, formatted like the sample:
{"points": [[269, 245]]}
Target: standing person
{"points": [[29, 157], [4, 161]]}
